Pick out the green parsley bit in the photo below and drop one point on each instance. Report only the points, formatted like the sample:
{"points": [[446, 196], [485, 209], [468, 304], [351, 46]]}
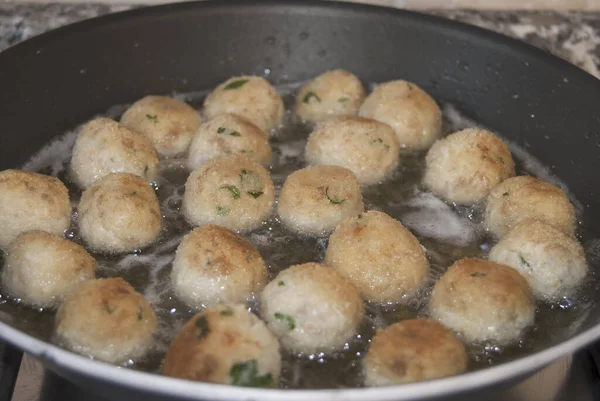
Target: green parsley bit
{"points": [[410, 87], [152, 117], [255, 194], [309, 96], [246, 374], [223, 130], [478, 274], [505, 194], [280, 283], [290, 320], [227, 312], [343, 99], [202, 326], [208, 262], [333, 200], [140, 315], [235, 84], [235, 192], [524, 261], [222, 211]]}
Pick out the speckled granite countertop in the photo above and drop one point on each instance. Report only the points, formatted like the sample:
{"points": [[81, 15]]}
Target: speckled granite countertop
{"points": [[574, 36]]}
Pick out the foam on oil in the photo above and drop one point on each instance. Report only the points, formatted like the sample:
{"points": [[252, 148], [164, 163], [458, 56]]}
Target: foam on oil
{"points": [[448, 233]]}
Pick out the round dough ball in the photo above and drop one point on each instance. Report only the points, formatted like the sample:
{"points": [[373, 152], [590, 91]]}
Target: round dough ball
{"points": [[226, 135], [41, 268], [366, 147], [413, 351], [552, 262], [314, 200], [519, 198], [483, 301], [312, 308], [333, 93], [104, 146], [213, 264], [465, 166], [247, 96], [232, 192], [106, 319], [30, 201], [225, 344], [379, 256], [168, 123], [410, 111], [119, 213]]}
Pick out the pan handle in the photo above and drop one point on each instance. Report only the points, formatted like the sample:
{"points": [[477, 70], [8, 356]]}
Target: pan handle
{"points": [[9, 370]]}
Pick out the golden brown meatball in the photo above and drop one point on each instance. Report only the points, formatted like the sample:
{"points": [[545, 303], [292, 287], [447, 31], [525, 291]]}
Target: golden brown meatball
{"points": [[366, 147], [413, 351], [233, 192], [251, 97], [410, 111], [312, 308], [104, 146], [333, 93], [464, 167], [106, 319], [213, 264], [379, 256], [226, 135], [225, 344], [552, 262], [519, 198], [119, 213], [168, 123], [315, 199], [483, 301], [30, 201], [41, 268]]}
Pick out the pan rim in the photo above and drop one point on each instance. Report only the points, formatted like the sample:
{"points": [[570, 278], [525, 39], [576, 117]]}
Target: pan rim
{"points": [[63, 359]]}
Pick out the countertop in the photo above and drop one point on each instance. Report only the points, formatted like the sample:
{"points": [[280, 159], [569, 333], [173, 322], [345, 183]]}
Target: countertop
{"points": [[574, 36]]}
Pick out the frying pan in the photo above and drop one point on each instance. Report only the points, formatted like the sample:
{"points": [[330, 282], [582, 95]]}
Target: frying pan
{"points": [[53, 82]]}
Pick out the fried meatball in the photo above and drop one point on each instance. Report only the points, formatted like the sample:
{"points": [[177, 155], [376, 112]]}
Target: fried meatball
{"points": [[312, 308], [225, 344], [41, 268], [226, 135], [104, 146], [30, 201], [465, 166], [519, 198], [247, 96], [410, 111], [483, 301], [552, 262], [213, 264], [168, 123], [314, 200], [333, 93], [106, 319], [119, 213], [413, 351], [379, 256], [233, 192], [366, 147]]}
